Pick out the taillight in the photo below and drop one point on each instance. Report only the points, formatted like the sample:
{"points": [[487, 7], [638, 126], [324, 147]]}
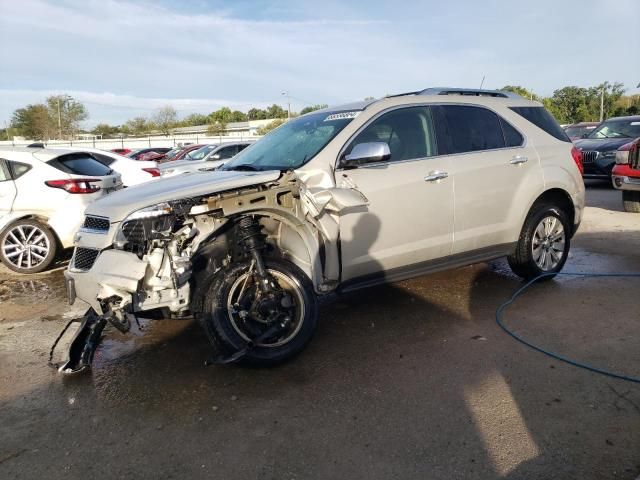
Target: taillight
{"points": [[155, 172], [75, 185], [577, 157]]}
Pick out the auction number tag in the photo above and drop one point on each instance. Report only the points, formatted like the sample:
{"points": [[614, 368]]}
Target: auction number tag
{"points": [[342, 116]]}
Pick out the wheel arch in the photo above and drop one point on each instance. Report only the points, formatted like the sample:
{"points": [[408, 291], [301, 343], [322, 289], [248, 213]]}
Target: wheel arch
{"points": [[562, 199], [31, 216]]}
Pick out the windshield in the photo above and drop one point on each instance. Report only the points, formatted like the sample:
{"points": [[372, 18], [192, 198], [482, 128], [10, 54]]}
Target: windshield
{"points": [[293, 144], [578, 131], [200, 153], [617, 129]]}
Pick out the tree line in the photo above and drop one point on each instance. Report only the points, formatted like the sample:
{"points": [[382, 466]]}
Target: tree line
{"points": [[60, 116]]}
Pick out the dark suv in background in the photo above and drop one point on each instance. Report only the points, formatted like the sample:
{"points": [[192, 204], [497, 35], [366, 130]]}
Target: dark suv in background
{"points": [[599, 147]]}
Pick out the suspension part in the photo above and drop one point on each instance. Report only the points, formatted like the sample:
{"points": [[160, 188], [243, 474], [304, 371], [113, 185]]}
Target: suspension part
{"points": [[251, 239]]}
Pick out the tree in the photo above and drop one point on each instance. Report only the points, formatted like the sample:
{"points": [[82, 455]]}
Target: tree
{"points": [[313, 108], [276, 111], [570, 105], [518, 90], [165, 119], [270, 126], [256, 114], [193, 120], [216, 128], [66, 113], [611, 94], [138, 126], [105, 130], [33, 121]]}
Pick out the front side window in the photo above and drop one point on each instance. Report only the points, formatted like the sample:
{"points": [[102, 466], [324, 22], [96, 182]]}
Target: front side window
{"points": [[292, 144], [408, 131], [226, 152], [4, 172], [463, 128]]}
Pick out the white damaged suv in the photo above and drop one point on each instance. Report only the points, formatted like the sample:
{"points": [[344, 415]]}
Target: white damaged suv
{"points": [[335, 200]]}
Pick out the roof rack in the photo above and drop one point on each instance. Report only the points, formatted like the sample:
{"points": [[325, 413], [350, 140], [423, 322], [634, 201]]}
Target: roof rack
{"points": [[467, 91]]}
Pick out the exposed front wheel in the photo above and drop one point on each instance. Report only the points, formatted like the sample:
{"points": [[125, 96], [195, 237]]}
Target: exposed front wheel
{"points": [[28, 246], [543, 245], [268, 326], [631, 201]]}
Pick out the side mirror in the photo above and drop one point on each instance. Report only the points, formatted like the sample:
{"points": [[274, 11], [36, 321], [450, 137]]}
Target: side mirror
{"points": [[369, 152]]}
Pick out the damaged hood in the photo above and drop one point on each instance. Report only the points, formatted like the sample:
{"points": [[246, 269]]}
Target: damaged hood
{"points": [[118, 205]]}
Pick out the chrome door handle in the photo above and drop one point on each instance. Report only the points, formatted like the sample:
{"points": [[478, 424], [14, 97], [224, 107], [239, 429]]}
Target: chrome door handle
{"points": [[435, 176], [518, 159]]}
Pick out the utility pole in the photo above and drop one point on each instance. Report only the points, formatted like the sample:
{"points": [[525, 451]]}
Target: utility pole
{"points": [[288, 104], [59, 119], [602, 104]]}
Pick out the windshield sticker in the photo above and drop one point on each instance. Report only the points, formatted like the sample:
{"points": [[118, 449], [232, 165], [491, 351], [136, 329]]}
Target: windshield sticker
{"points": [[342, 116]]}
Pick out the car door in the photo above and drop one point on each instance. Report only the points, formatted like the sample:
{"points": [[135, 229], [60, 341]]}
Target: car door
{"points": [[409, 218], [7, 190], [490, 163]]}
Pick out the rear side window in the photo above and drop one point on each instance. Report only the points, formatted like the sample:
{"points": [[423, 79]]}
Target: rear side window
{"points": [[463, 128], [512, 137], [80, 164], [541, 118], [18, 169]]}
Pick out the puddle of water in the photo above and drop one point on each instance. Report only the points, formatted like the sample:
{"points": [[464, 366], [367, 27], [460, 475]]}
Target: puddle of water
{"points": [[33, 289]]}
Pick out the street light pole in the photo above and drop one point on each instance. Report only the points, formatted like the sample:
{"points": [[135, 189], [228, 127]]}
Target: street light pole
{"points": [[602, 104], [286, 94]]}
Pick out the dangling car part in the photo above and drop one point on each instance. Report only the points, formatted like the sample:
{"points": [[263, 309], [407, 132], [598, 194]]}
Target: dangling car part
{"points": [[330, 201]]}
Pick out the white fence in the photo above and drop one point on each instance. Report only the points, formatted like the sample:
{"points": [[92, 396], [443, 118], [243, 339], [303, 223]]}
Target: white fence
{"points": [[135, 143]]}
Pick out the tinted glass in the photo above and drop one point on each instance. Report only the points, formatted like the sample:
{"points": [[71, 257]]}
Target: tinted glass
{"points": [[80, 164], [512, 137], [104, 159], [18, 169], [227, 152], [408, 132], [542, 119], [463, 128], [292, 144]]}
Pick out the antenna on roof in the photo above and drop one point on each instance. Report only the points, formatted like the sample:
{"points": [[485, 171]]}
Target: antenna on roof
{"points": [[482, 82]]}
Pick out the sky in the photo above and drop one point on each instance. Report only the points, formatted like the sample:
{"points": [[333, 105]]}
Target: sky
{"points": [[125, 58]]}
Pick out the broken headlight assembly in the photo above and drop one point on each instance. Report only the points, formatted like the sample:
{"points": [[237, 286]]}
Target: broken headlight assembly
{"points": [[155, 222]]}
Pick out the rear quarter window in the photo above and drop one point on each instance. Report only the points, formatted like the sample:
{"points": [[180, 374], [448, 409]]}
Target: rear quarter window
{"points": [[541, 118], [80, 164], [18, 169]]}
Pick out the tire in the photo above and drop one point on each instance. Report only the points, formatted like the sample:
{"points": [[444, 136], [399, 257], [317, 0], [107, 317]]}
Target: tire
{"points": [[537, 251], [225, 330], [33, 256], [631, 201]]}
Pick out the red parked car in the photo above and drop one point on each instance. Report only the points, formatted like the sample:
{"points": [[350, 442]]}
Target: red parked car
{"points": [[626, 175], [121, 151], [182, 153]]}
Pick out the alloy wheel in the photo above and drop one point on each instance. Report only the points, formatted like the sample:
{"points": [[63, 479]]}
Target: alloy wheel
{"points": [[26, 246], [548, 243]]}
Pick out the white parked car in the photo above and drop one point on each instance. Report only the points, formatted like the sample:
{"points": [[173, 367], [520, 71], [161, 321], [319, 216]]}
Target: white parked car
{"points": [[133, 171], [332, 201], [43, 194], [206, 158]]}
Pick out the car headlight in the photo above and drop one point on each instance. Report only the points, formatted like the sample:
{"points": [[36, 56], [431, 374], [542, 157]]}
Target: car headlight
{"points": [[145, 224]]}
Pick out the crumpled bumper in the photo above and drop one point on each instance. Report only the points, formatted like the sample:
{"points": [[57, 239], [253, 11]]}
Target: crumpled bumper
{"points": [[114, 272]]}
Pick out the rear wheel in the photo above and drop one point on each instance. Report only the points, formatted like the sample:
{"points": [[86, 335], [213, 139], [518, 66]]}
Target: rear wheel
{"points": [[631, 201], [544, 243], [28, 246], [271, 327]]}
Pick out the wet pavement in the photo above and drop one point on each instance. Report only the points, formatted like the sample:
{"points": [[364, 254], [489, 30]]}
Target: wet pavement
{"points": [[411, 380]]}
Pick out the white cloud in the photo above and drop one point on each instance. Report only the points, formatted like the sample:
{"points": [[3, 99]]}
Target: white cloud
{"points": [[147, 54]]}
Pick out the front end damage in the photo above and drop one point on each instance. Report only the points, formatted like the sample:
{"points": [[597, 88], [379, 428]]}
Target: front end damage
{"points": [[159, 259]]}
